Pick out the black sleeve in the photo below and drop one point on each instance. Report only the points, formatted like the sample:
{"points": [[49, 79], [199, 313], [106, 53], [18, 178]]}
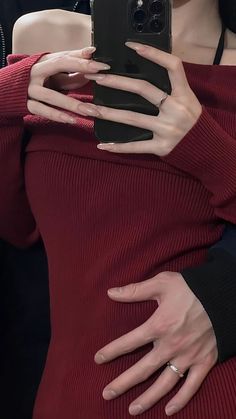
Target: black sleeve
{"points": [[214, 284]]}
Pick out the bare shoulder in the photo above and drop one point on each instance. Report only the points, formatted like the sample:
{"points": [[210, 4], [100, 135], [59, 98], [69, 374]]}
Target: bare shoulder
{"points": [[229, 56], [51, 30]]}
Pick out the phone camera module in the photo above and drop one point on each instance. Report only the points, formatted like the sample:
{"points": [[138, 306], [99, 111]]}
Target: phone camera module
{"points": [[139, 27], [156, 7], [156, 25]]}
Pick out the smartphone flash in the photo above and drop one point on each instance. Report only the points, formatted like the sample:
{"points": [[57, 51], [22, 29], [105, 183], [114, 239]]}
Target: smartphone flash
{"points": [[140, 3]]}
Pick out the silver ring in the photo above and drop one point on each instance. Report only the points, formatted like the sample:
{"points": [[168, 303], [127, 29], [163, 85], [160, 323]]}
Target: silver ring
{"points": [[163, 99], [175, 369]]}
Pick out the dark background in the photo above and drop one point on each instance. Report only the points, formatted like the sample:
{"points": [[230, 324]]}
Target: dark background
{"points": [[24, 297]]}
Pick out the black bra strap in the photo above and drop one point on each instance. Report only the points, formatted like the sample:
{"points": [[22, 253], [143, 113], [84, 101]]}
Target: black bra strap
{"points": [[220, 47]]}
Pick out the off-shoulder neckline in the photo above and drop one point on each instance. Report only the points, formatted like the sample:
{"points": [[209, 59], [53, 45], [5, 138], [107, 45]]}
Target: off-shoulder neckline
{"points": [[208, 66]]}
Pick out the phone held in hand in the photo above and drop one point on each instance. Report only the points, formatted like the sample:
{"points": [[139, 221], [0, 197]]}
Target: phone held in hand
{"points": [[113, 23]]}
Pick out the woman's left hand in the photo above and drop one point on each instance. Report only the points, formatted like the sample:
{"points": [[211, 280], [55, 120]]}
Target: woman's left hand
{"points": [[178, 113], [181, 332]]}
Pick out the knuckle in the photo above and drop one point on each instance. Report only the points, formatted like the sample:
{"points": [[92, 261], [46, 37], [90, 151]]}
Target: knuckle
{"points": [[45, 96], [171, 133], [132, 290], [110, 78], [60, 60], [161, 326], [31, 106], [55, 115], [176, 64], [181, 109], [31, 90], [166, 325], [165, 148], [177, 342], [145, 85], [163, 277], [131, 119], [34, 71], [146, 372], [157, 330], [141, 86], [210, 359], [62, 57]]}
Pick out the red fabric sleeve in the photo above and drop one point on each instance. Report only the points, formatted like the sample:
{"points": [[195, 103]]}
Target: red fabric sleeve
{"points": [[208, 153], [17, 224]]}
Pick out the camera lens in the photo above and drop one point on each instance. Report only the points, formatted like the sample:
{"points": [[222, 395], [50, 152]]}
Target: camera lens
{"points": [[156, 25], [156, 7], [139, 27], [140, 16]]}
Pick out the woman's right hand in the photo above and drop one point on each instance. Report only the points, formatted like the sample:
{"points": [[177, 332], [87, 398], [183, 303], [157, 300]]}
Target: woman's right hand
{"points": [[54, 73]]}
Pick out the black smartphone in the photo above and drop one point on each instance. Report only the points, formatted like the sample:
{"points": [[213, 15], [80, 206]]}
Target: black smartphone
{"points": [[113, 23]]}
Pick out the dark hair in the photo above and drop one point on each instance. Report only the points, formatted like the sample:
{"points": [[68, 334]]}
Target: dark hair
{"points": [[228, 13]]}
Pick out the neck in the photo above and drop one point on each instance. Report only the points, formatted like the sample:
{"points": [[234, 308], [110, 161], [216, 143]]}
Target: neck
{"points": [[196, 21]]}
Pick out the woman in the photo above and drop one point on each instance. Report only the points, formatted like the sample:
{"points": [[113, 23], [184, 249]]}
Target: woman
{"points": [[73, 192]]}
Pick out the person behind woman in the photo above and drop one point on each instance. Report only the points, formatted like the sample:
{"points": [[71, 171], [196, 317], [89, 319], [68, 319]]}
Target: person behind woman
{"points": [[64, 169]]}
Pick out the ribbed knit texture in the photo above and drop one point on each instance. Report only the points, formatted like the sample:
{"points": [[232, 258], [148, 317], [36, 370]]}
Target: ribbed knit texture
{"points": [[15, 104], [108, 220]]}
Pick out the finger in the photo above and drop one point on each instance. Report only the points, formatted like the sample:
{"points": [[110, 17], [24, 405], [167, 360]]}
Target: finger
{"points": [[65, 81], [86, 52], [51, 97], [82, 53], [78, 53], [37, 108], [140, 87], [127, 343], [138, 373], [139, 291], [193, 382], [66, 64], [137, 147], [172, 63], [163, 385], [134, 119]]}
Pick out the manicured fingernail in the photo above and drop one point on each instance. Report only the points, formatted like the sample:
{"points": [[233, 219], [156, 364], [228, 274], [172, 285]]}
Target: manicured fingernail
{"points": [[109, 394], [136, 47], [170, 410], [68, 119], [99, 358], [136, 409], [105, 146], [98, 66], [114, 291], [90, 110], [89, 50], [95, 76]]}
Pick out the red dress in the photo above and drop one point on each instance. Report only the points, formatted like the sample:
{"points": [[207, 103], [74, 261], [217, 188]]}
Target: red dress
{"points": [[107, 220]]}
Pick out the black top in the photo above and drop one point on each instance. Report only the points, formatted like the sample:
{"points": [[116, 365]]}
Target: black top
{"points": [[220, 47]]}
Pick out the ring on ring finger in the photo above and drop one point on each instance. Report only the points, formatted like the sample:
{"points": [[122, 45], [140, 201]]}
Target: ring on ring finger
{"points": [[163, 99], [175, 369]]}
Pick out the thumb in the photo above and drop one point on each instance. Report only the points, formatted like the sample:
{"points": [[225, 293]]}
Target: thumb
{"points": [[134, 292]]}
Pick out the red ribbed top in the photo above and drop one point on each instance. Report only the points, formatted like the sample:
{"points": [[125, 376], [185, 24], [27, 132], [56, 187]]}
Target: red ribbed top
{"points": [[108, 220]]}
